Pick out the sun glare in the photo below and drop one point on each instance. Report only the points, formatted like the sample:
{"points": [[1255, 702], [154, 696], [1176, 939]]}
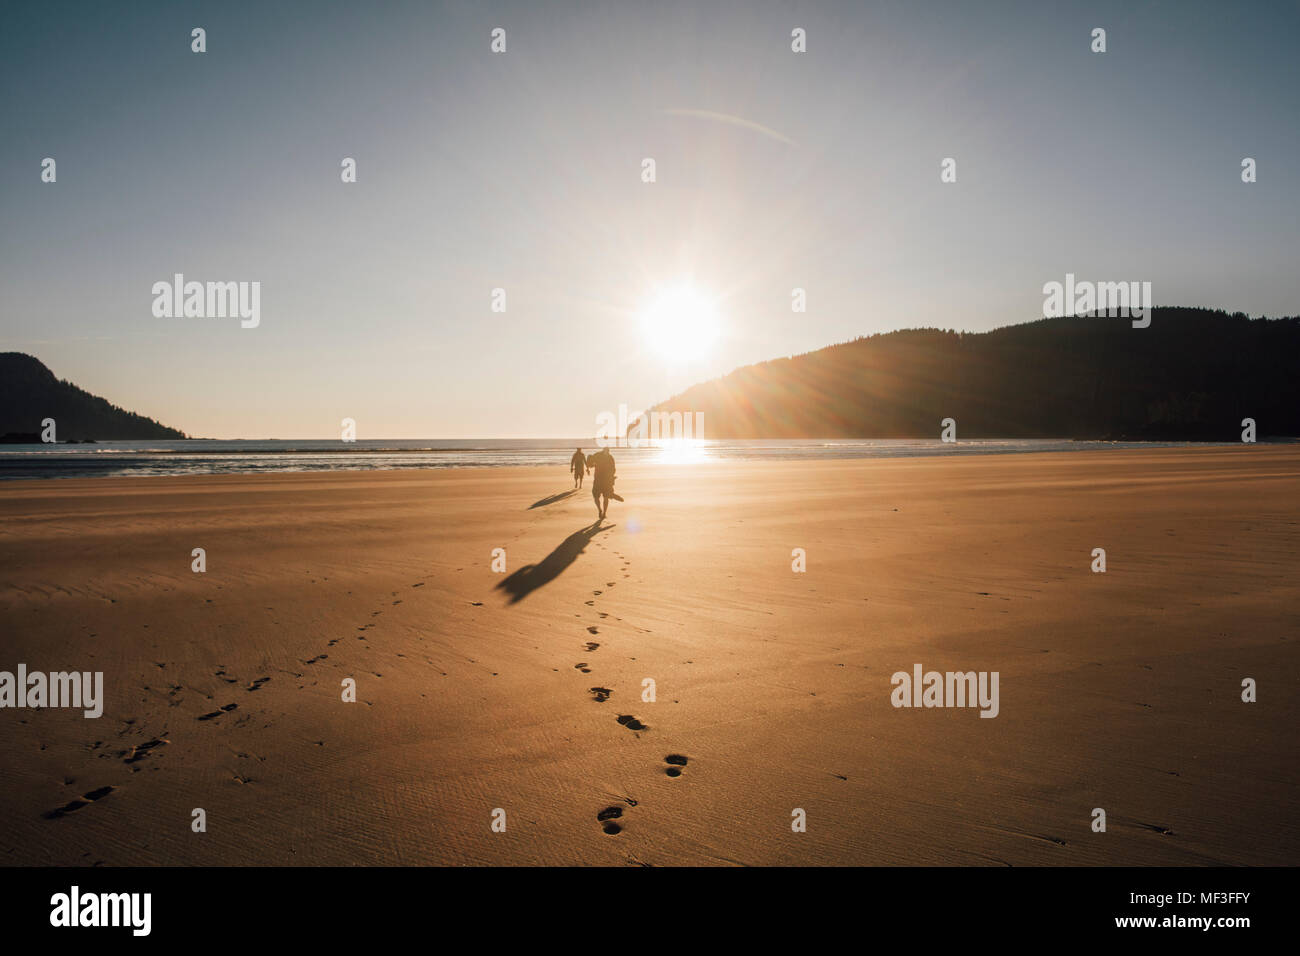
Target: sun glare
{"points": [[681, 451], [680, 323]]}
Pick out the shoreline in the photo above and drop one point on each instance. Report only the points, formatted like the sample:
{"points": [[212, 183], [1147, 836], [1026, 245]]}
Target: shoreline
{"points": [[810, 458]]}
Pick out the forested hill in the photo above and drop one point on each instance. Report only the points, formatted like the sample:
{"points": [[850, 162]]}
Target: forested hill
{"points": [[1192, 374], [29, 393]]}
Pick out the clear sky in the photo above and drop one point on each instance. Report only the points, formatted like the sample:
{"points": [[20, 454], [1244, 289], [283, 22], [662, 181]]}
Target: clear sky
{"points": [[522, 170]]}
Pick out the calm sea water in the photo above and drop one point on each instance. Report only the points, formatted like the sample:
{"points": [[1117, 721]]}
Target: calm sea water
{"points": [[151, 458]]}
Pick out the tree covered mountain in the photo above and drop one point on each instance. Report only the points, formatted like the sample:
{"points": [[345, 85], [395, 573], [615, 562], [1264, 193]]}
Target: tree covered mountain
{"points": [[29, 393], [1192, 374]]}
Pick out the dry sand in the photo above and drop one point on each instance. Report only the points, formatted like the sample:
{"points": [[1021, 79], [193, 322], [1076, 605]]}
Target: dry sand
{"points": [[1119, 690]]}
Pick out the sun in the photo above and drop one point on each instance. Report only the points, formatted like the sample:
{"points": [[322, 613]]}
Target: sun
{"points": [[680, 322]]}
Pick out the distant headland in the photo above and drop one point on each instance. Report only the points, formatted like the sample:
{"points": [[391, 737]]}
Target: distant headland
{"points": [[30, 394]]}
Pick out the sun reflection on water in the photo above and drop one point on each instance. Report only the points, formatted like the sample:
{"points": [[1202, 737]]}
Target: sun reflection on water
{"points": [[680, 451]]}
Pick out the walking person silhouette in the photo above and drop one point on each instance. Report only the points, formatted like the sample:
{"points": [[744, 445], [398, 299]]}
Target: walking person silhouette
{"points": [[602, 485], [578, 465]]}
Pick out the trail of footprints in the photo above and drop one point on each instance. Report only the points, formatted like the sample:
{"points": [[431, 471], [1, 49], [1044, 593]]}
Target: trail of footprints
{"points": [[611, 817], [141, 751], [608, 818]]}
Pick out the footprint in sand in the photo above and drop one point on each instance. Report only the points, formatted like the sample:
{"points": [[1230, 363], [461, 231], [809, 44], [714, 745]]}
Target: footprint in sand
{"points": [[582, 666], [140, 751], [676, 763], [592, 645], [602, 694], [607, 818], [1165, 831], [217, 713], [592, 629], [631, 723], [257, 684], [597, 593], [82, 801]]}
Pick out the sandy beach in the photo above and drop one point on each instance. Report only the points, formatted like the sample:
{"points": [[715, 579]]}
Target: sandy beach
{"points": [[478, 690]]}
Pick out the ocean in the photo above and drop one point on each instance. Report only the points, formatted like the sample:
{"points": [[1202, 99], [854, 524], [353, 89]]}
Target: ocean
{"points": [[247, 457]]}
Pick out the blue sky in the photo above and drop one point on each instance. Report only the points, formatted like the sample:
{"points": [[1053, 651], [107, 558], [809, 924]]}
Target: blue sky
{"points": [[521, 170]]}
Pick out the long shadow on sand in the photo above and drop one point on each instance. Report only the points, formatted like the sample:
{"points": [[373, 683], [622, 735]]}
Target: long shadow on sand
{"points": [[552, 499], [532, 576]]}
